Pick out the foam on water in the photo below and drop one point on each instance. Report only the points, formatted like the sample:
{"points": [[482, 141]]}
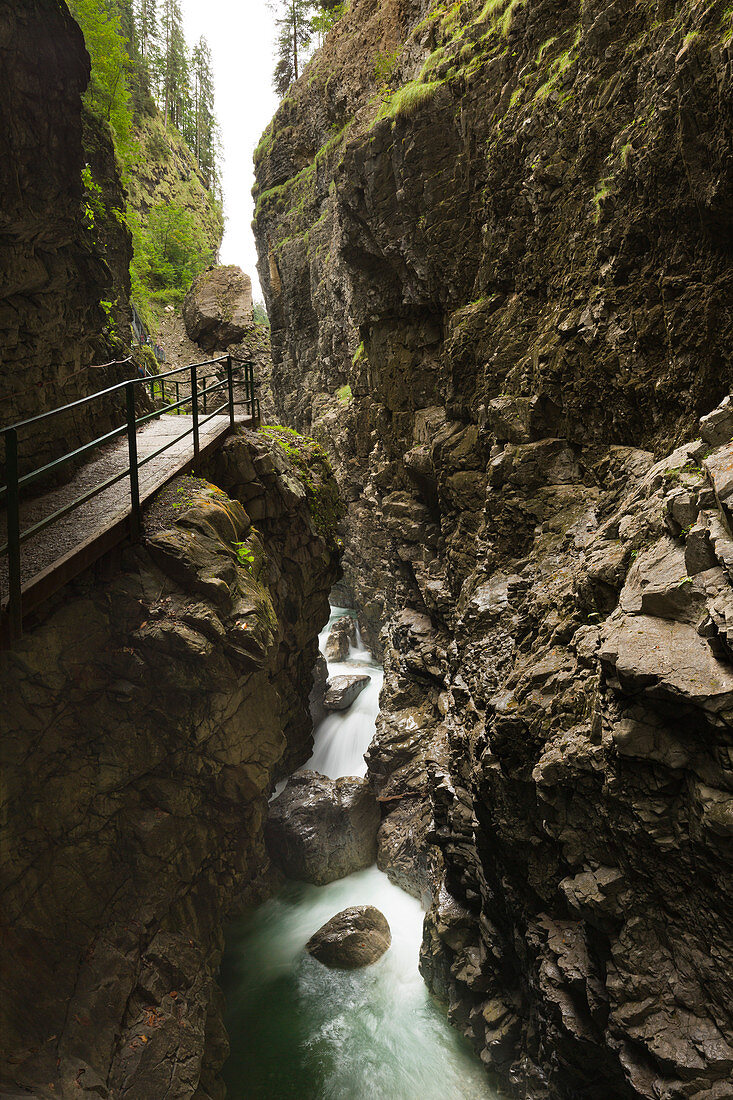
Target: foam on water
{"points": [[298, 1029]]}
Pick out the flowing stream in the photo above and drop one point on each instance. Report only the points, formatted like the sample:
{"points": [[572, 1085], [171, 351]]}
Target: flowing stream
{"points": [[298, 1029]]}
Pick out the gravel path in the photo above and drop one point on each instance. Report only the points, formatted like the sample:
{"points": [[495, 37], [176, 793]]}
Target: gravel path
{"points": [[102, 511]]}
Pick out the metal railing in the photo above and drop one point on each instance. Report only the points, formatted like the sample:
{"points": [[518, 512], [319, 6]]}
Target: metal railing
{"points": [[198, 403]]}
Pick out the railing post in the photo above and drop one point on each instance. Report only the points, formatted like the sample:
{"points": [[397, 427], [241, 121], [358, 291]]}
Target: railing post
{"points": [[178, 397], [230, 381], [15, 600], [136, 525], [195, 414], [205, 382]]}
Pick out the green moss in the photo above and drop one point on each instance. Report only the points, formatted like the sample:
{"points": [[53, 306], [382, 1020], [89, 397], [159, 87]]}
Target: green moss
{"points": [[265, 145], [505, 20], [409, 99], [344, 395], [600, 195], [314, 470]]}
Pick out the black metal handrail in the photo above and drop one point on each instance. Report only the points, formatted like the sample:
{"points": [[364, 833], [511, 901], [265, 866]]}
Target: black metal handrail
{"points": [[196, 401]]}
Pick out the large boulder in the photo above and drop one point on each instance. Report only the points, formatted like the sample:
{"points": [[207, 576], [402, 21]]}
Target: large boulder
{"points": [[343, 690], [341, 636], [321, 829], [217, 310], [355, 937]]}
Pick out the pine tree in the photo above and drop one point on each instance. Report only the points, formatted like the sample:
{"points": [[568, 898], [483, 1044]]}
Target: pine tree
{"points": [[146, 21], [174, 62], [298, 21], [203, 131], [294, 38]]}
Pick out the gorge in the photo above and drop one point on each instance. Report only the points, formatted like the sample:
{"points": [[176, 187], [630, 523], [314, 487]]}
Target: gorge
{"points": [[495, 244]]}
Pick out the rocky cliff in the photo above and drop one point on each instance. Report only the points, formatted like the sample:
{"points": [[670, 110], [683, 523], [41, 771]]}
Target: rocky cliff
{"points": [[145, 721], [495, 241], [55, 274]]}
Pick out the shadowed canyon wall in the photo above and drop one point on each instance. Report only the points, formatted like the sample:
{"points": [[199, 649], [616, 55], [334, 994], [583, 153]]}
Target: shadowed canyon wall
{"points": [[54, 270], [495, 241], [145, 720]]}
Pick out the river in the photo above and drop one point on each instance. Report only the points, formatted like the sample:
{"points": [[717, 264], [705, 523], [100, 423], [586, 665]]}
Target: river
{"points": [[298, 1029]]}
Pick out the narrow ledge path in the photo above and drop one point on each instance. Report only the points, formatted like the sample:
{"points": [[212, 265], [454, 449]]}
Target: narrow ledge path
{"points": [[70, 543]]}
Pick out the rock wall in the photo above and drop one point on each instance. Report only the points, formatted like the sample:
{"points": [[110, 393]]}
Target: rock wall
{"points": [[54, 275], [145, 721], [495, 241]]}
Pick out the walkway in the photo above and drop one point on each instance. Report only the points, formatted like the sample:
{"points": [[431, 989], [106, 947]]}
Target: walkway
{"points": [[51, 557]]}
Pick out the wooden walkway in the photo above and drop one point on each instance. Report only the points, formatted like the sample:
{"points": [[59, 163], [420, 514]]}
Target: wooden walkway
{"points": [[55, 555]]}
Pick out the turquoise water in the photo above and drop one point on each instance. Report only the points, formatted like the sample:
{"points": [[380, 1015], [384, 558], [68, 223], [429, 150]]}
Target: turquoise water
{"points": [[298, 1029]]}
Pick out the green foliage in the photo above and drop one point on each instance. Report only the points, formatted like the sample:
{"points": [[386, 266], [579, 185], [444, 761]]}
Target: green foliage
{"points": [[259, 314], [93, 205], [344, 395], [134, 48], [326, 18], [245, 555], [174, 251], [108, 93]]}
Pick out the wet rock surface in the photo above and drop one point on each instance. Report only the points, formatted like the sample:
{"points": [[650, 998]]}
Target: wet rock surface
{"points": [[486, 310], [354, 938], [343, 691], [144, 722], [341, 636], [321, 829], [217, 310]]}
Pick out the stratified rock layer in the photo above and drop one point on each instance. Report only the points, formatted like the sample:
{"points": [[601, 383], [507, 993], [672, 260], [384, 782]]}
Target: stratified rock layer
{"points": [[144, 722], [495, 241]]}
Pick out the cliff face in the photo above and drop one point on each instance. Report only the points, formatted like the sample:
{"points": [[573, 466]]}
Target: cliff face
{"points": [[495, 241], [146, 720], [54, 275]]}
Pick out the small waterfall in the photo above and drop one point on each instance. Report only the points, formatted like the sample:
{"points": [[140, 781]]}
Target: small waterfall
{"points": [[300, 1030]]}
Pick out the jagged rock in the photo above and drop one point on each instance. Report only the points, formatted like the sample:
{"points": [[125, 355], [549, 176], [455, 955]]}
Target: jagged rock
{"points": [[341, 636], [354, 938], [318, 691], [717, 427], [457, 249], [320, 829], [167, 695], [343, 690], [217, 310]]}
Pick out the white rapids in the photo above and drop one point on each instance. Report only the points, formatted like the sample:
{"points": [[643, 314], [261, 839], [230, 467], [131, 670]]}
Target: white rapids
{"points": [[300, 1030]]}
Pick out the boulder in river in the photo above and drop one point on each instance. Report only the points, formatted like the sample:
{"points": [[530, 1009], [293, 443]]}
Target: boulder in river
{"points": [[341, 636], [355, 937], [321, 829], [343, 690], [217, 310]]}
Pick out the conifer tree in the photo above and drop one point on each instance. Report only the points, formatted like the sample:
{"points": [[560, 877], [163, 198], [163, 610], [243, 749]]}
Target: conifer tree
{"points": [[294, 37], [174, 62], [297, 22], [146, 21]]}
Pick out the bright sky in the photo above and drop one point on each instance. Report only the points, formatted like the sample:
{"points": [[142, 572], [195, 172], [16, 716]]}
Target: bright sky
{"points": [[241, 36]]}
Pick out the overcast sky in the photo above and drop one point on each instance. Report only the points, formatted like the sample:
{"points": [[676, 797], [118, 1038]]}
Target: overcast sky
{"points": [[241, 36]]}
